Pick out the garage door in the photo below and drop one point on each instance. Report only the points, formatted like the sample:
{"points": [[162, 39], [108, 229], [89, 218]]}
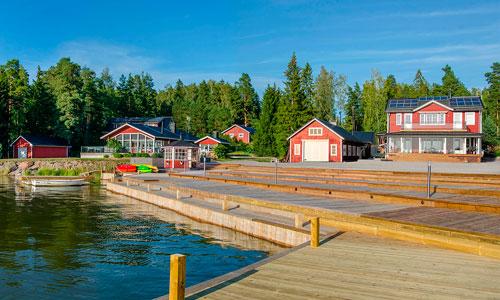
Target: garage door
{"points": [[315, 150]]}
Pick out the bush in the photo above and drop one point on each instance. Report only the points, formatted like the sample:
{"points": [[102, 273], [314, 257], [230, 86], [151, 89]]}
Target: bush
{"points": [[117, 155], [114, 145], [127, 155], [221, 151], [58, 172], [143, 155], [157, 155], [106, 156]]}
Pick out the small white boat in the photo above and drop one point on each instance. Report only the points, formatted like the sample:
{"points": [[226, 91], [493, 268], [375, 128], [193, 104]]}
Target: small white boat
{"points": [[54, 181]]}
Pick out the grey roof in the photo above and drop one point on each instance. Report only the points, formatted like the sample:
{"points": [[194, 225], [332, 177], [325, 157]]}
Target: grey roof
{"points": [[183, 143], [346, 135], [37, 140], [457, 103], [365, 136], [218, 140], [156, 131], [158, 119]]}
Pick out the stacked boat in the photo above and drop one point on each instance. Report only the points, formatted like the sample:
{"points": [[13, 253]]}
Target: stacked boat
{"points": [[53, 181], [131, 168]]}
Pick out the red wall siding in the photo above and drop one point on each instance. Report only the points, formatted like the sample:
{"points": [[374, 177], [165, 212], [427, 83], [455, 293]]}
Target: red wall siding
{"points": [[433, 108], [126, 129], [208, 141], [177, 164], [21, 143], [236, 130], [304, 135], [49, 152]]}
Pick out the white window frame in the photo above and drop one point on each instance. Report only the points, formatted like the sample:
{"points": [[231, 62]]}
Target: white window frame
{"points": [[296, 149], [315, 131], [399, 117], [425, 119], [231, 135], [410, 119], [241, 135], [333, 150], [470, 118]]}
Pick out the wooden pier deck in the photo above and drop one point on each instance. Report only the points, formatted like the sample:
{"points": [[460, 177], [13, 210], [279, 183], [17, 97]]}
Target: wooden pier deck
{"points": [[356, 266]]}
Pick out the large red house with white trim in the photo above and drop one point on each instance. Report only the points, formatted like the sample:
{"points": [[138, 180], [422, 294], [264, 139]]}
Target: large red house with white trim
{"points": [[434, 128], [240, 133], [31, 146], [320, 140], [144, 138]]}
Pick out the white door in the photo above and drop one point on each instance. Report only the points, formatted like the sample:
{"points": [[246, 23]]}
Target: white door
{"points": [[457, 120], [315, 150], [22, 152]]}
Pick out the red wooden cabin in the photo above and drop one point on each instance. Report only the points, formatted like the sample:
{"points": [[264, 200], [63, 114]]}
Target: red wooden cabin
{"points": [[320, 140], [240, 133], [31, 146], [181, 154], [208, 143]]}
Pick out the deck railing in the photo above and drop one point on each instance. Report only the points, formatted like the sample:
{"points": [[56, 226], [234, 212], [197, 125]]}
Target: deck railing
{"points": [[96, 149]]}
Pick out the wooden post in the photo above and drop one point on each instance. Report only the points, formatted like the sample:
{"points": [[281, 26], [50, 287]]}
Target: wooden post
{"points": [[298, 221], [149, 187], [225, 204], [177, 277], [315, 232], [127, 183], [178, 195]]}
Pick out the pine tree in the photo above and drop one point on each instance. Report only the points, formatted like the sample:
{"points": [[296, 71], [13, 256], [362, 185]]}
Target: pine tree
{"points": [[324, 95], [390, 87], [93, 111], [41, 102], [374, 100], [308, 88], [450, 85], [4, 114], [354, 112], [492, 101], [340, 92], [420, 85], [248, 102], [264, 142]]}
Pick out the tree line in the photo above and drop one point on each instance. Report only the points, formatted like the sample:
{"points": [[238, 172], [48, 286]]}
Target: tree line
{"points": [[75, 103]]}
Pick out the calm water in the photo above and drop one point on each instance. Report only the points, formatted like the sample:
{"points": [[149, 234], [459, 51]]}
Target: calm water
{"points": [[87, 243]]}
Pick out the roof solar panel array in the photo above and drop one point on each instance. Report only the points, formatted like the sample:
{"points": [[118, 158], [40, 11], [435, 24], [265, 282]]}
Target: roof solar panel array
{"points": [[457, 102], [465, 101]]}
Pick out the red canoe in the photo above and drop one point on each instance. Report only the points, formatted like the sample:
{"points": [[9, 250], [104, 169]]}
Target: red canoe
{"points": [[126, 168]]}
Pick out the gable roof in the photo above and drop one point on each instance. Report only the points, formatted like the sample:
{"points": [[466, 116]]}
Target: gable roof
{"points": [[341, 132], [453, 103], [248, 129], [149, 130], [37, 140], [218, 140], [182, 143], [365, 136], [433, 102]]}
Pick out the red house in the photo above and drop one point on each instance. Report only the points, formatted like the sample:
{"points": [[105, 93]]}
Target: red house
{"points": [[142, 138], [320, 140], [30, 146], [181, 154], [240, 133], [434, 128], [208, 143]]}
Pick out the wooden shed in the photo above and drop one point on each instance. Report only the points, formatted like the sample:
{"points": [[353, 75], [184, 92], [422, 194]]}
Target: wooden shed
{"points": [[31, 146]]}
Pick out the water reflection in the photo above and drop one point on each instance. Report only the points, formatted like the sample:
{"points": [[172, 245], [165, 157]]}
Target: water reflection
{"points": [[87, 243]]}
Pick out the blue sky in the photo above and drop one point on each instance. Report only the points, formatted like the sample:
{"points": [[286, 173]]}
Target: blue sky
{"points": [[196, 40]]}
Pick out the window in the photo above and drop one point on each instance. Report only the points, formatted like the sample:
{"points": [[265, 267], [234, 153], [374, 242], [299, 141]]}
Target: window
{"points": [[315, 131], [296, 149], [470, 118], [432, 118], [231, 135], [333, 149], [240, 135], [432, 145], [398, 119]]}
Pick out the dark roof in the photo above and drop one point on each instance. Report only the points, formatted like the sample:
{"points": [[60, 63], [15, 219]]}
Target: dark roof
{"points": [[346, 135], [457, 103], [182, 143], [158, 119], [156, 131], [365, 136], [435, 133], [37, 140], [186, 136]]}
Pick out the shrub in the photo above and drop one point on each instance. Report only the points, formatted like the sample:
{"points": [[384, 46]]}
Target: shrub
{"points": [[114, 145], [221, 151], [143, 155], [106, 156], [58, 172], [157, 155], [117, 155]]}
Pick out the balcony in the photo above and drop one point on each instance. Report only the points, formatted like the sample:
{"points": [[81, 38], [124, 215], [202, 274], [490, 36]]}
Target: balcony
{"points": [[444, 127]]}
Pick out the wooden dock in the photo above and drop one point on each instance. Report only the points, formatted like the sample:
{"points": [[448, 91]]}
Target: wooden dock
{"points": [[356, 266]]}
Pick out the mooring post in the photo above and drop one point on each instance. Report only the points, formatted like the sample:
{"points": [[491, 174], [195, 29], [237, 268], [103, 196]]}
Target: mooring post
{"points": [[298, 221], [178, 195], [127, 183], [225, 204], [429, 180], [177, 277], [315, 232], [149, 187], [204, 166], [276, 171]]}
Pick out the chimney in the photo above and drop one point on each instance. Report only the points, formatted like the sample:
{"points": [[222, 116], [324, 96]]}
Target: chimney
{"points": [[333, 122], [172, 125], [215, 134], [161, 127]]}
